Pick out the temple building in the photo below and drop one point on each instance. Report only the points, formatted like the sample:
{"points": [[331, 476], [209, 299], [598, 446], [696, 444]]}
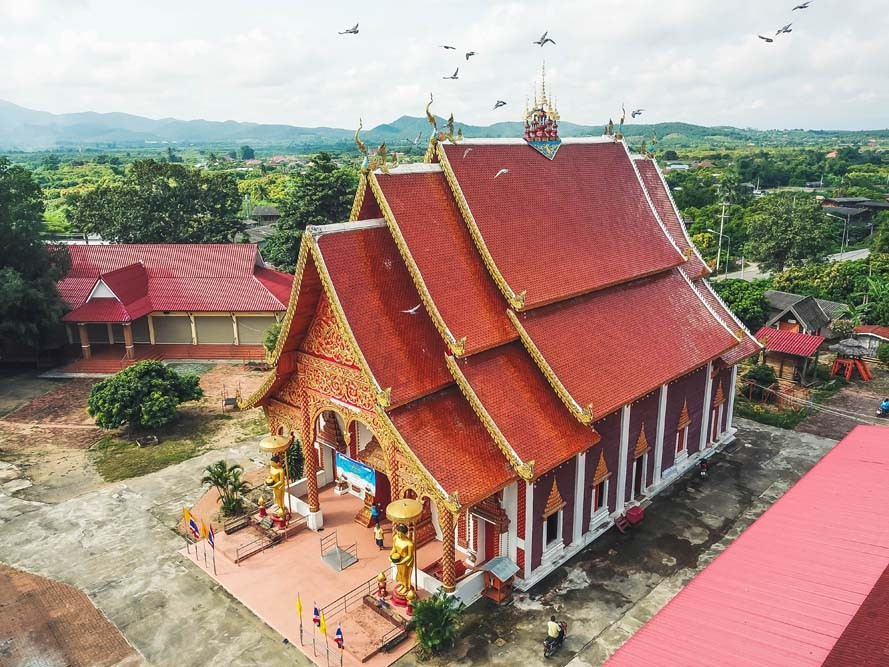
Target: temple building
{"points": [[517, 332]]}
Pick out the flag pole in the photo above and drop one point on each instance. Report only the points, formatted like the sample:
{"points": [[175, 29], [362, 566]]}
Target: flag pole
{"points": [[205, 552], [214, 558]]}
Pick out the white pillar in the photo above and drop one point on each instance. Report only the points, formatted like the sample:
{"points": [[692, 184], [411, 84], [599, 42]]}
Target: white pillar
{"points": [[150, 329], [235, 329], [528, 538], [659, 435], [732, 390], [110, 333], [510, 505], [579, 488], [194, 330], [620, 500], [705, 417]]}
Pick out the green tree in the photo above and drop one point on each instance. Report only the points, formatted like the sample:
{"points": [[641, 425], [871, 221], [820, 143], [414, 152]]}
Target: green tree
{"points": [[787, 229], [227, 481], [270, 338], [161, 203], [146, 395], [746, 299], [247, 153], [762, 376], [320, 195], [883, 355], [842, 328], [30, 306], [436, 620]]}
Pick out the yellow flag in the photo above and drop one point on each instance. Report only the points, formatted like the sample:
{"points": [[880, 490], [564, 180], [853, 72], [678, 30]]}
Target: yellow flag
{"points": [[299, 607], [323, 625], [203, 530], [186, 514]]}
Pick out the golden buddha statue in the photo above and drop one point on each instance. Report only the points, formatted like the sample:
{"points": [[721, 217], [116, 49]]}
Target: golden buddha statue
{"points": [[277, 480], [402, 556]]}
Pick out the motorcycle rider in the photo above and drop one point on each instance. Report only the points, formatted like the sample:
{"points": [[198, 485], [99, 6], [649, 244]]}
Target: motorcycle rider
{"points": [[884, 406], [554, 631]]}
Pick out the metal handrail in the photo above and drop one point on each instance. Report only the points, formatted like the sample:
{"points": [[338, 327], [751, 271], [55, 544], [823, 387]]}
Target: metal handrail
{"points": [[332, 609]]}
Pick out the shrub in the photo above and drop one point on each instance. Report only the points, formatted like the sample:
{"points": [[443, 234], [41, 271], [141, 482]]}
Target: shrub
{"points": [[436, 620], [762, 376], [270, 339], [146, 394], [883, 354], [295, 461], [226, 479], [842, 329]]}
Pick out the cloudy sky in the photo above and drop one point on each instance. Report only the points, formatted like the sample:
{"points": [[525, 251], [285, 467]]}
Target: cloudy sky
{"points": [[282, 61]]}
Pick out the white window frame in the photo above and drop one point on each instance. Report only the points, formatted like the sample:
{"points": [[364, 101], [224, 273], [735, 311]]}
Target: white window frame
{"points": [[644, 460], [553, 549], [681, 455]]}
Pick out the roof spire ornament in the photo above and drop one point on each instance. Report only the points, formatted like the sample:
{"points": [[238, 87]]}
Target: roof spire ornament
{"points": [[542, 122], [362, 147]]}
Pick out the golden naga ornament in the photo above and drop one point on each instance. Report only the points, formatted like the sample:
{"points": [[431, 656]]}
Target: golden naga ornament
{"points": [[377, 161]]}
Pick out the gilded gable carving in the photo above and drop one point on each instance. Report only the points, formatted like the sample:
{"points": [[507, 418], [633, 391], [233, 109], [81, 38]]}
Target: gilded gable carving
{"points": [[325, 338]]}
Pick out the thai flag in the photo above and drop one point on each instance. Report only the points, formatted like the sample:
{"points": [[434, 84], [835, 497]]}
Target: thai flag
{"points": [[193, 527], [316, 617], [338, 637], [211, 538]]}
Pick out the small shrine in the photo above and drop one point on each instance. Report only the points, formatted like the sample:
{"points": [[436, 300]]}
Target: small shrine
{"points": [[542, 122]]}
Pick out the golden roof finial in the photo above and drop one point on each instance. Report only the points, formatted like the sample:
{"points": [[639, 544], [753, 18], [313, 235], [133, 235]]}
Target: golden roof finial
{"points": [[543, 84]]}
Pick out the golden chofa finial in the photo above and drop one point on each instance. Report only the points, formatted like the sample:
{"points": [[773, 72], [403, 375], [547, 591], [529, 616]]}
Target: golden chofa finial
{"points": [[362, 148], [429, 117]]}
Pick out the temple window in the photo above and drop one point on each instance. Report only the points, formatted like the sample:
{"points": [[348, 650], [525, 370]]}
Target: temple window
{"points": [[682, 429], [681, 438], [601, 477], [552, 518], [553, 529], [600, 493]]}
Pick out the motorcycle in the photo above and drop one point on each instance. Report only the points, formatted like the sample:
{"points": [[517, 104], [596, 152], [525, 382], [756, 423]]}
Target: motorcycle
{"points": [[882, 414], [703, 467], [551, 645]]}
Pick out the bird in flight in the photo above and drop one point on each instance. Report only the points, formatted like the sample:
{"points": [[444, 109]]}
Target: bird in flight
{"points": [[767, 40], [470, 53], [784, 29], [636, 112], [501, 172], [466, 152], [544, 40], [804, 5], [453, 76], [350, 31], [446, 46], [412, 311], [498, 104]]}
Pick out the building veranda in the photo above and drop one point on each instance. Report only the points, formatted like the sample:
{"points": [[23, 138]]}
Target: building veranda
{"points": [[518, 333]]}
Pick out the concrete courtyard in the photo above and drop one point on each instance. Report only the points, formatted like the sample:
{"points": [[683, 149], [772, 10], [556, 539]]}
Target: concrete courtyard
{"points": [[118, 545]]}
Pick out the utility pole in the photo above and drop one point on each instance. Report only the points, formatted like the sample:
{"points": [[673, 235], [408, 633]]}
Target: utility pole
{"points": [[721, 225]]}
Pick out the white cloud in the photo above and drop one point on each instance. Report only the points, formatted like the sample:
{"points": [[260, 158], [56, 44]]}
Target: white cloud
{"points": [[282, 61]]}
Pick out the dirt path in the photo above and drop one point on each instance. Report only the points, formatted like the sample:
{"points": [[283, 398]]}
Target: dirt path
{"points": [[835, 417]]}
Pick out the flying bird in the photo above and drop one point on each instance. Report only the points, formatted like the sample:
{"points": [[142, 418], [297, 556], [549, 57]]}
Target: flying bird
{"points": [[784, 29], [767, 40], [501, 172], [453, 76], [804, 5], [350, 31], [445, 46], [498, 104], [412, 311], [470, 53], [466, 152], [544, 40], [636, 112]]}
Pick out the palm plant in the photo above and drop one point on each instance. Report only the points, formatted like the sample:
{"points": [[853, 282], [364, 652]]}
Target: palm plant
{"points": [[226, 479], [436, 620]]}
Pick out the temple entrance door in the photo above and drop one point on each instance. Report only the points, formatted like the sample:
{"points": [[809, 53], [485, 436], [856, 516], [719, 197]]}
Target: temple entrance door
{"points": [[716, 418], [639, 477], [491, 539]]}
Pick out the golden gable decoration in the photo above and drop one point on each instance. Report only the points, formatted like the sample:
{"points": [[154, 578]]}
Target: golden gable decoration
{"points": [[719, 397], [601, 473], [641, 444], [684, 419], [554, 503]]}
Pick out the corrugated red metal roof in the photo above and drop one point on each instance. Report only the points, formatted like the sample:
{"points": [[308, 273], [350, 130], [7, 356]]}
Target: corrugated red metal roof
{"points": [[794, 583], [789, 342], [460, 285], [165, 277], [561, 227], [444, 433], [526, 410], [663, 204], [873, 329], [102, 309], [610, 347], [748, 345], [399, 341]]}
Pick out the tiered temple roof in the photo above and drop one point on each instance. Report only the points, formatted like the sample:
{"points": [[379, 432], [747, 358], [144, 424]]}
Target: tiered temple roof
{"points": [[502, 299]]}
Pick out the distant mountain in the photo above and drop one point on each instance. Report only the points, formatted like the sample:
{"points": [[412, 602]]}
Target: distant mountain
{"points": [[27, 130]]}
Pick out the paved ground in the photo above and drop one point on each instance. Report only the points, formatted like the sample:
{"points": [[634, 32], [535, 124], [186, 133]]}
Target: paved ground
{"points": [[117, 544], [608, 591]]}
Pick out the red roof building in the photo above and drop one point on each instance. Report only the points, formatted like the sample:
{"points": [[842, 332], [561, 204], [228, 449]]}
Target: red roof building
{"points": [[788, 352], [807, 584], [212, 297], [493, 329]]}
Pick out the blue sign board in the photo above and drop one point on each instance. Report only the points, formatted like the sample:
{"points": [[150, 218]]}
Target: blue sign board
{"points": [[358, 475]]}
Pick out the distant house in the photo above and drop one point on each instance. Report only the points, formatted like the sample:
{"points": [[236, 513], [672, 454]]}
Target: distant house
{"points": [[872, 336], [802, 314], [162, 301], [831, 155], [792, 355], [265, 215]]}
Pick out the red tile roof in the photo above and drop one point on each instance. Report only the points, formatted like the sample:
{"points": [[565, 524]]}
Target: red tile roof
{"points": [[666, 209], [610, 347], [450, 442], [166, 277], [789, 342], [800, 587], [748, 345], [873, 329], [526, 410], [561, 227], [403, 349], [461, 287]]}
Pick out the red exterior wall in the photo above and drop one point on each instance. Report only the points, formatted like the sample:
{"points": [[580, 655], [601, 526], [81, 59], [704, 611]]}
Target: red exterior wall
{"points": [[565, 475], [691, 388], [643, 410], [609, 429]]}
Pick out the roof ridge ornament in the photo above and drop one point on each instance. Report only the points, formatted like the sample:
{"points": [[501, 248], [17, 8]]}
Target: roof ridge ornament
{"points": [[440, 136], [542, 122]]}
